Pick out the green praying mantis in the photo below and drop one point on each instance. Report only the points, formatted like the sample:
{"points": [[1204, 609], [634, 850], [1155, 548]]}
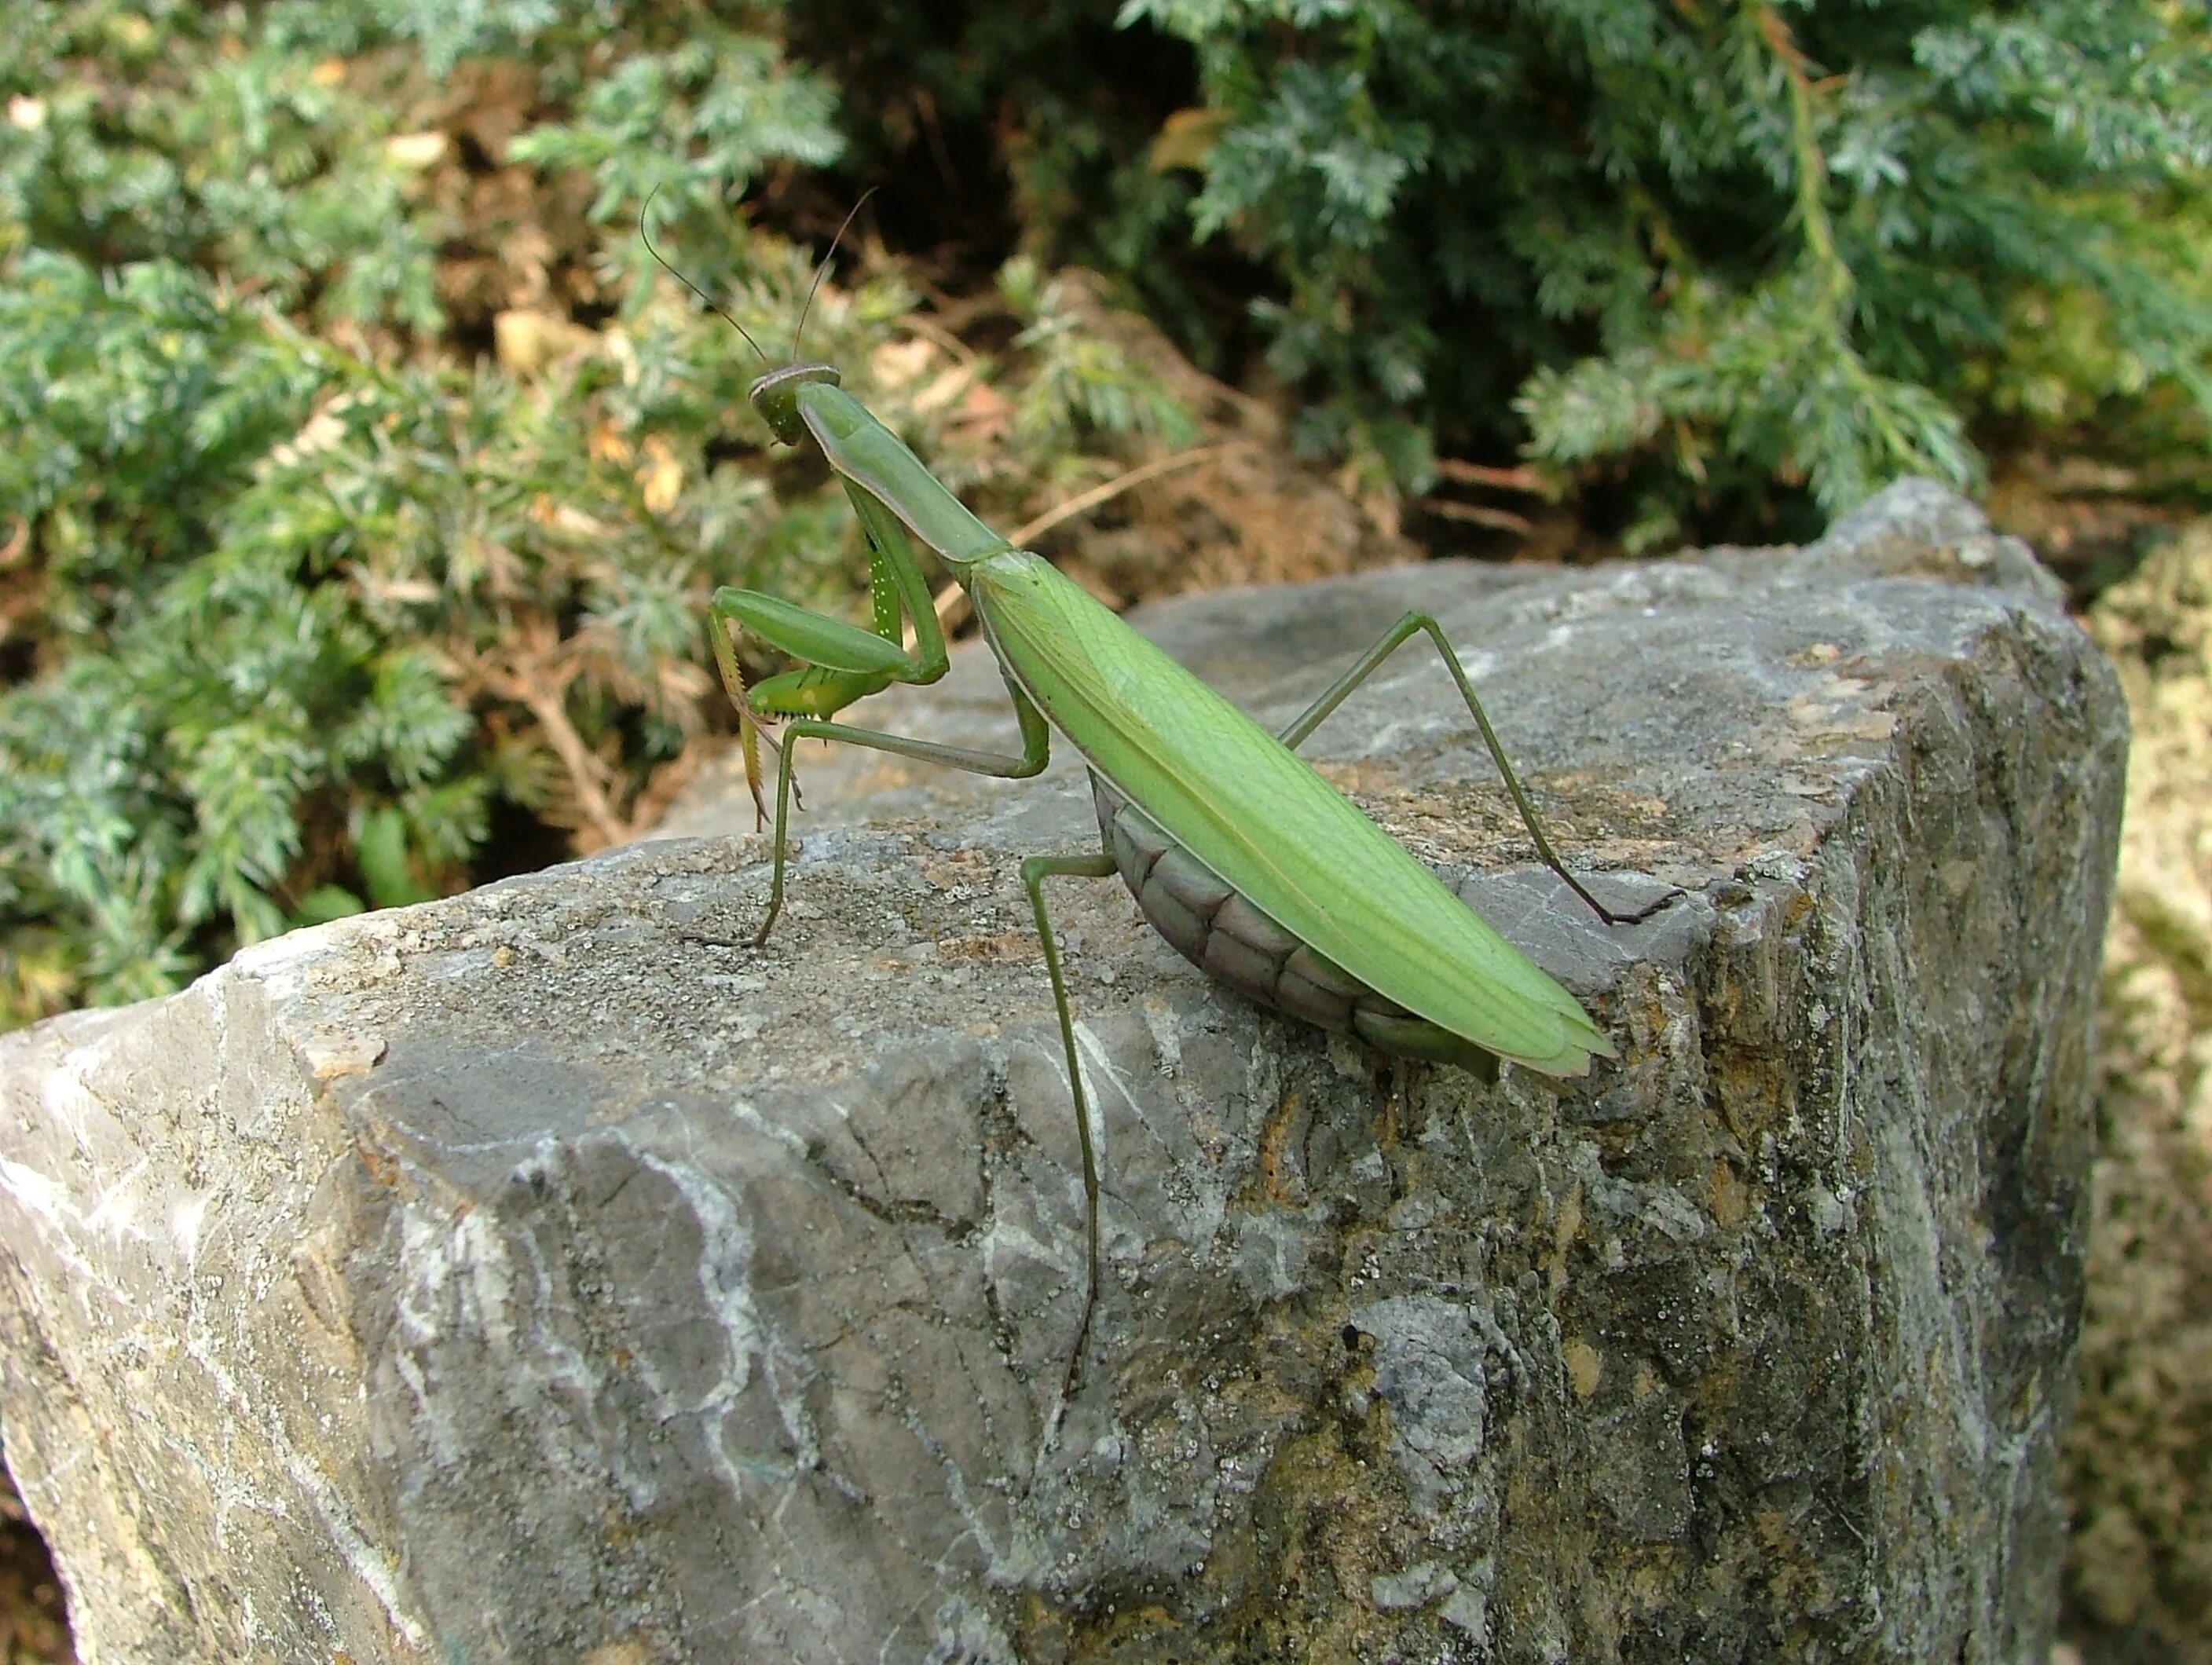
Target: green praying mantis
{"points": [[1247, 861]]}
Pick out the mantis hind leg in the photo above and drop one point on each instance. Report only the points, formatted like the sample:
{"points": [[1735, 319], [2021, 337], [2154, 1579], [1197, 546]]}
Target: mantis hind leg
{"points": [[1035, 871], [1366, 666]]}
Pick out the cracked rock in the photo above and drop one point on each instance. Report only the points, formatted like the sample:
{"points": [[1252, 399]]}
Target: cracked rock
{"points": [[547, 1275]]}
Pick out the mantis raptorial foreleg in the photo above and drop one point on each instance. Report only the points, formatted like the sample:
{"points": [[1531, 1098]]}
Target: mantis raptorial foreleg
{"points": [[1335, 694], [838, 663]]}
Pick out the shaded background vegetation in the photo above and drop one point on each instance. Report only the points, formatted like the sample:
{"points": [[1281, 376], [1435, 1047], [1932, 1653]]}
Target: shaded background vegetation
{"points": [[363, 480]]}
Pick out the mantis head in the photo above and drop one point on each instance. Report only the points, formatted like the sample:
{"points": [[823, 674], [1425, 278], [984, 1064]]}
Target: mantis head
{"points": [[775, 396]]}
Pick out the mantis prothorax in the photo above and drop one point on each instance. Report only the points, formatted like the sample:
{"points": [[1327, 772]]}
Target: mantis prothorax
{"points": [[1246, 860]]}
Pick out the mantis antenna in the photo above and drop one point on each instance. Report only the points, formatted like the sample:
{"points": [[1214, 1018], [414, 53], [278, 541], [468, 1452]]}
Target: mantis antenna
{"points": [[819, 271], [647, 238]]}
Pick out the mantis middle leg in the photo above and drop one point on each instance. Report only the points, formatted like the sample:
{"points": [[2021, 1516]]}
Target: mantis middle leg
{"points": [[1037, 747], [1035, 871], [1036, 743], [1365, 665], [1036, 740]]}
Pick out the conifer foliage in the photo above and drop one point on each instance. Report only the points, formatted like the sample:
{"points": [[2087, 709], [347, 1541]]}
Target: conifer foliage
{"points": [[362, 482], [302, 592], [1717, 246]]}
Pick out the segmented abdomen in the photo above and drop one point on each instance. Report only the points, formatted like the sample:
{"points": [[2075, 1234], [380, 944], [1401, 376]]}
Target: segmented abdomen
{"points": [[1214, 926]]}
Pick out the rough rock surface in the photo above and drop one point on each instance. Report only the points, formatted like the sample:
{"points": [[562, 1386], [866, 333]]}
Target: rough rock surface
{"points": [[2139, 1461], [546, 1275]]}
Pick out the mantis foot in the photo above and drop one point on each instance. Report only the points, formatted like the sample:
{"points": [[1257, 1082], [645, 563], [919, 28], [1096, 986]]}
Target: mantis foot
{"points": [[1641, 914]]}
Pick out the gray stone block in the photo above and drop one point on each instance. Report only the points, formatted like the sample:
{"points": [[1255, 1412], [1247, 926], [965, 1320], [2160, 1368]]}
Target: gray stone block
{"points": [[546, 1275]]}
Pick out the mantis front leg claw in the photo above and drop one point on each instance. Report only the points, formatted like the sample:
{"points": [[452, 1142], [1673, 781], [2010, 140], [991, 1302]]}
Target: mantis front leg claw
{"points": [[752, 729]]}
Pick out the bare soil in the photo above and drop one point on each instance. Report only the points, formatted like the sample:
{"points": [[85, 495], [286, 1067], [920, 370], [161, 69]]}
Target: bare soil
{"points": [[33, 1618]]}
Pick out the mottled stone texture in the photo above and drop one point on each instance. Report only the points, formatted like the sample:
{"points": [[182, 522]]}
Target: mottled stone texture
{"points": [[2139, 1458], [545, 1275]]}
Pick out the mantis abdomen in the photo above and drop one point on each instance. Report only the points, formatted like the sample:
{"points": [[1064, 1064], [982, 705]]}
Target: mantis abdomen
{"points": [[1217, 929]]}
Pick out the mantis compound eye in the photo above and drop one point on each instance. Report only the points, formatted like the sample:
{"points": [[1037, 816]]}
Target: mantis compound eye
{"points": [[775, 396]]}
